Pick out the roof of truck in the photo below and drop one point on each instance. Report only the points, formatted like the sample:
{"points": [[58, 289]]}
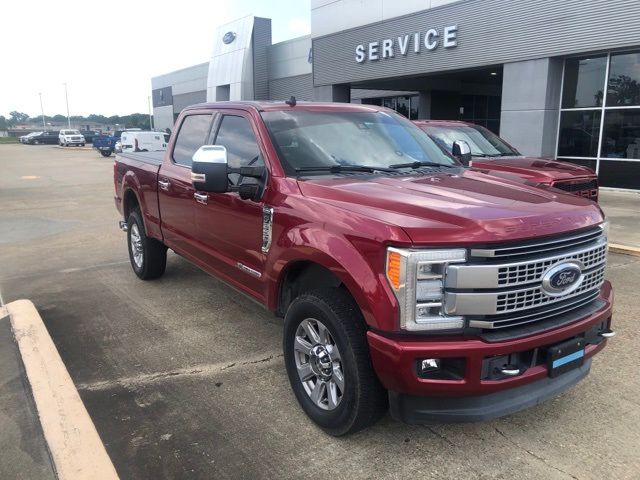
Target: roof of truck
{"points": [[266, 106]]}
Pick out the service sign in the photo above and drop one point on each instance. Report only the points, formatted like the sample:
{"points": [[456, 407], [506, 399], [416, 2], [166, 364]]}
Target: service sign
{"points": [[408, 43]]}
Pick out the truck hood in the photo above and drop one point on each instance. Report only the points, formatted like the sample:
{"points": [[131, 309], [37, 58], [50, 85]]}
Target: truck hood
{"points": [[534, 169], [460, 207]]}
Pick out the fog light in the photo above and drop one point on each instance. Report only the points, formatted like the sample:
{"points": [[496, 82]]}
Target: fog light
{"points": [[429, 365]]}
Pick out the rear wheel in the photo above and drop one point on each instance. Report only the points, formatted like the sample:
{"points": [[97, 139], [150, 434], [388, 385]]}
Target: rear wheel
{"points": [[148, 256], [105, 153], [327, 359]]}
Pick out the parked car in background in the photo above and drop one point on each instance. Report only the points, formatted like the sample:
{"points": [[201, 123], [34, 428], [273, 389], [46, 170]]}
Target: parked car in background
{"points": [[89, 135], [404, 278], [106, 144], [491, 153], [144, 141], [49, 137], [70, 137], [23, 138]]}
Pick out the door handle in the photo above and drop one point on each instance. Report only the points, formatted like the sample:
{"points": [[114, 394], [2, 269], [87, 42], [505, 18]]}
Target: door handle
{"points": [[164, 185], [202, 198]]}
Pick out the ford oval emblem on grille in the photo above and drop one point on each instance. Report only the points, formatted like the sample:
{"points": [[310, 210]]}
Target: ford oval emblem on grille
{"points": [[228, 37], [563, 278]]}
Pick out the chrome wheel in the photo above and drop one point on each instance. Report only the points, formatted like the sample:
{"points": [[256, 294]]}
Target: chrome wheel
{"points": [[319, 364], [135, 240]]}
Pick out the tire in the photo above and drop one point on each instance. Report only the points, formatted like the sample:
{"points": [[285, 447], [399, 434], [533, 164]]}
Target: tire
{"points": [[105, 153], [60, 143], [151, 259], [362, 400], [82, 144]]}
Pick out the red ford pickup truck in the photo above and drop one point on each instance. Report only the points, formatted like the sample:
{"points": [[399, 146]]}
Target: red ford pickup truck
{"points": [[406, 280], [489, 152]]}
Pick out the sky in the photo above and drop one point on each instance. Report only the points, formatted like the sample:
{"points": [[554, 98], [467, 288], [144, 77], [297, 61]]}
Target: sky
{"points": [[107, 52]]}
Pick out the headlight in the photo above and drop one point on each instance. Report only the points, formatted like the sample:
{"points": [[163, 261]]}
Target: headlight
{"points": [[417, 278]]}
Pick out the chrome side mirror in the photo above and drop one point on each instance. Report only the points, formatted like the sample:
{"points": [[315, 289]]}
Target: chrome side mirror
{"points": [[461, 151], [209, 172]]}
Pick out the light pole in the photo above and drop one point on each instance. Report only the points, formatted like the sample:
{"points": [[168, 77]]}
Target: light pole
{"points": [[44, 126], [150, 116], [66, 97]]}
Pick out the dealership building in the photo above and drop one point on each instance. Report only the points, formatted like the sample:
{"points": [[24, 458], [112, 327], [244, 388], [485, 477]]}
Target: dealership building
{"points": [[557, 79]]}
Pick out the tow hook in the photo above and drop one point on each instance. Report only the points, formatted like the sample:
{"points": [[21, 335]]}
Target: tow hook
{"points": [[123, 226], [608, 334]]}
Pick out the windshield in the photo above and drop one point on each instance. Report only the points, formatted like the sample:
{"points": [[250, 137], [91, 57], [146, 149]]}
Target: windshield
{"points": [[483, 143], [308, 139]]}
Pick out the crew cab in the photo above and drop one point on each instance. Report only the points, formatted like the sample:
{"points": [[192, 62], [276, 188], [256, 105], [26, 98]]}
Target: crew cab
{"points": [[70, 137], [406, 280], [491, 153]]}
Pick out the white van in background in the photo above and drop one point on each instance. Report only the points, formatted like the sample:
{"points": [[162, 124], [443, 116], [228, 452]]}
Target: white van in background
{"points": [[143, 141]]}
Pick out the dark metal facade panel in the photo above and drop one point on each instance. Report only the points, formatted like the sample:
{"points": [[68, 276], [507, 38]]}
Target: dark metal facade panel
{"points": [[300, 86], [260, 43], [162, 97], [186, 99], [489, 32]]}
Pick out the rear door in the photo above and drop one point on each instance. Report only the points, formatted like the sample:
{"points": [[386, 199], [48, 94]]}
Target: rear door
{"points": [[175, 191], [230, 228]]}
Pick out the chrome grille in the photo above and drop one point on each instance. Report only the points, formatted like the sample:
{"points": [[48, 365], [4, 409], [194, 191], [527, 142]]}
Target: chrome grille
{"points": [[534, 297], [506, 289], [533, 271]]}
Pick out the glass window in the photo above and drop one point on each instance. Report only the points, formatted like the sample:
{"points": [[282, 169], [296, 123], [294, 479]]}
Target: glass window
{"points": [[389, 102], [579, 131], [402, 106], [624, 80], [583, 82], [621, 134], [325, 139], [482, 142], [237, 136], [192, 135], [619, 174], [415, 105]]}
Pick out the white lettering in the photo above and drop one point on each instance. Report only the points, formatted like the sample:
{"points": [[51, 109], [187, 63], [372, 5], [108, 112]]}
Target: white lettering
{"points": [[403, 43], [431, 39], [373, 51], [387, 48], [450, 36]]}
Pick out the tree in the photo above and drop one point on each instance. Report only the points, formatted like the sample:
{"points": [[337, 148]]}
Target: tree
{"points": [[18, 117], [4, 124]]}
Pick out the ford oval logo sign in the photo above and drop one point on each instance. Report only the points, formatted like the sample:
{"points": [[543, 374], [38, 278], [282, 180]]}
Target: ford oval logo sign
{"points": [[228, 37], [563, 278]]}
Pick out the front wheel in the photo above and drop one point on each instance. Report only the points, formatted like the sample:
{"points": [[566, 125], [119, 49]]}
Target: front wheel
{"points": [[147, 255], [328, 364]]}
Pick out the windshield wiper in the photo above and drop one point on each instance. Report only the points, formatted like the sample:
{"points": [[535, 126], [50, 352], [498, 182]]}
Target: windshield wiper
{"points": [[344, 168], [418, 164]]}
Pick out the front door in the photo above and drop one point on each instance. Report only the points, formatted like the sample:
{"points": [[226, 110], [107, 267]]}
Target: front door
{"points": [[231, 228]]}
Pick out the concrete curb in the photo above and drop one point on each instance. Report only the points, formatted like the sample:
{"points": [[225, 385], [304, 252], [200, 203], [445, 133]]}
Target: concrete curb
{"points": [[624, 249], [75, 446]]}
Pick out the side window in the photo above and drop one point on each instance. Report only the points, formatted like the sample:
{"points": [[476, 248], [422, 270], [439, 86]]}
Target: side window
{"points": [[192, 135], [235, 133]]}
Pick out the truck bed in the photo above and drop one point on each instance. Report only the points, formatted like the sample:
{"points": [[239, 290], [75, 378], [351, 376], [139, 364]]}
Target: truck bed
{"points": [[144, 167], [152, 158]]}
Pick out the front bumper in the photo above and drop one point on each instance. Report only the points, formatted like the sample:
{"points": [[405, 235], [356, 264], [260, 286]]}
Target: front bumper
{"points": [[395, 359]]}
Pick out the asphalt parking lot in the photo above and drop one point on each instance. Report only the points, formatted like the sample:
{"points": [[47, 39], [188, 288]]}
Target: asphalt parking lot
{"points": [[184, 378]]}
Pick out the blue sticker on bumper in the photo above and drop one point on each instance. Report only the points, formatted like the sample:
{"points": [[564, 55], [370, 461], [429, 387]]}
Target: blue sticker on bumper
{"points": [[569, 358]]}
